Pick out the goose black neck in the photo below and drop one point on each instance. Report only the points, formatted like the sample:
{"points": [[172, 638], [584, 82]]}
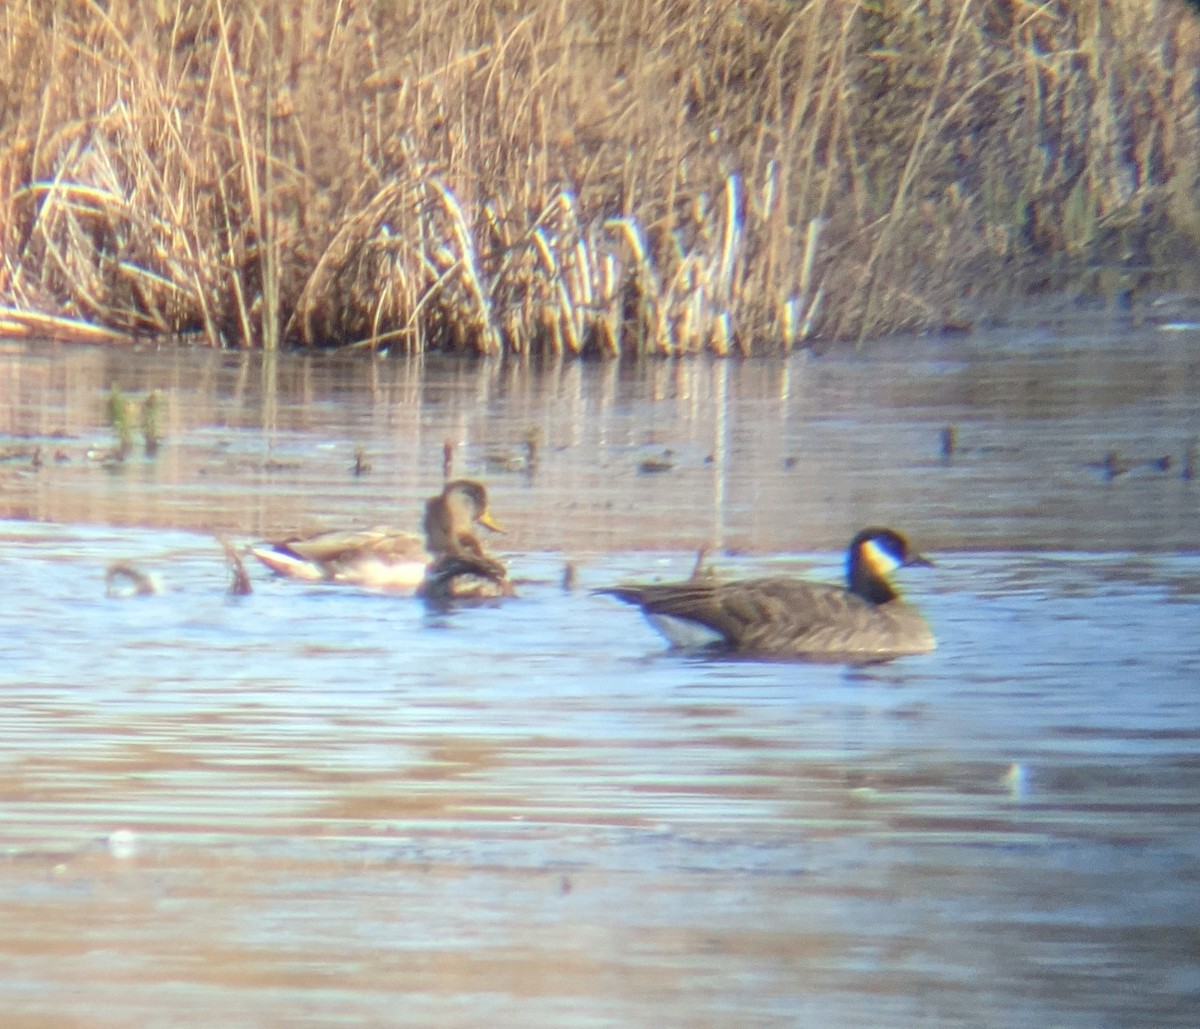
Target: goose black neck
{"points": [[866, 584]]}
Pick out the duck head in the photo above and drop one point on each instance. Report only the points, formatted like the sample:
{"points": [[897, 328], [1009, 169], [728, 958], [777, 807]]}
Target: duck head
{"points": [[451, 515]]}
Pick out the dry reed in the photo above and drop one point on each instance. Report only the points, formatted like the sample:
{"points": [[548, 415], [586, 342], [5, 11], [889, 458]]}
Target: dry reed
{"points": [[635, 177]]}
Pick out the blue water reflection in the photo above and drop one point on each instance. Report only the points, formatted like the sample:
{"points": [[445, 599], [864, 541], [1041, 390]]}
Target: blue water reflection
{"points": [[316, 803]]}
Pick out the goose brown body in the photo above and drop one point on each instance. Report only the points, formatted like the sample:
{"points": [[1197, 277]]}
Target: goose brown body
{"points": [[791, 618]]}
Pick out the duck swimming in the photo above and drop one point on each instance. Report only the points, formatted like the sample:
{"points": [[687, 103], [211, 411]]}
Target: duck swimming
{"points": [[460, 569], [468, 574], [781, 617], [384, 557]]}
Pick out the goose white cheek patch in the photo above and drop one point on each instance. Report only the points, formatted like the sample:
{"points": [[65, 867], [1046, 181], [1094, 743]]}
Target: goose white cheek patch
{"points": [[881, 561]]}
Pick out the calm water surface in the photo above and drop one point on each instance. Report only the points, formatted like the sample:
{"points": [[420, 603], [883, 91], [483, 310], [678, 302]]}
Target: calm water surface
{"points": [[317, 805]]}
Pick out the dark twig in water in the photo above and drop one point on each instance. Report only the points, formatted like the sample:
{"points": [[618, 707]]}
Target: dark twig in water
{"points": [[533, 439], [949, 441], [151, 421], [239, 582], [699, 571]]}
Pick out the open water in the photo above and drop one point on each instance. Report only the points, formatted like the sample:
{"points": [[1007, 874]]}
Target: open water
{"points": [[319, 805]]}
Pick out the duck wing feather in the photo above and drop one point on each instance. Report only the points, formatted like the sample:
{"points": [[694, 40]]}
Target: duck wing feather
{"points": [[381, 542]]}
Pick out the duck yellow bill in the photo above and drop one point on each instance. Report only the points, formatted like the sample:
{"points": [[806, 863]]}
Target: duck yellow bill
{"points": [[488, 522]]}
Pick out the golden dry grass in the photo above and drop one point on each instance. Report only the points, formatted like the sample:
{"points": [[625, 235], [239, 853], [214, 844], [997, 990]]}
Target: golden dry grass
{"points": [[636, 176]]}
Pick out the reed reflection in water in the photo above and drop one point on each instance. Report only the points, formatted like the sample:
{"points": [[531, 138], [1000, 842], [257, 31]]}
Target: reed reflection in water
{"points": [[754, 456]]}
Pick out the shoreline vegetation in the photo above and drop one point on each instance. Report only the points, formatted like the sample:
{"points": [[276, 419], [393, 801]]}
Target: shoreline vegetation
{"points": [[638, 177]]}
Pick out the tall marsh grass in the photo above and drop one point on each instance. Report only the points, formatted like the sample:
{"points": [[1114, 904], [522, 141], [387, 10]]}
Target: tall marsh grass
{"points": [[641, 176]]}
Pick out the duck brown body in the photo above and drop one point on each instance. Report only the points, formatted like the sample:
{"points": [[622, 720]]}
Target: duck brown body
{"points": [[390, 558]]}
